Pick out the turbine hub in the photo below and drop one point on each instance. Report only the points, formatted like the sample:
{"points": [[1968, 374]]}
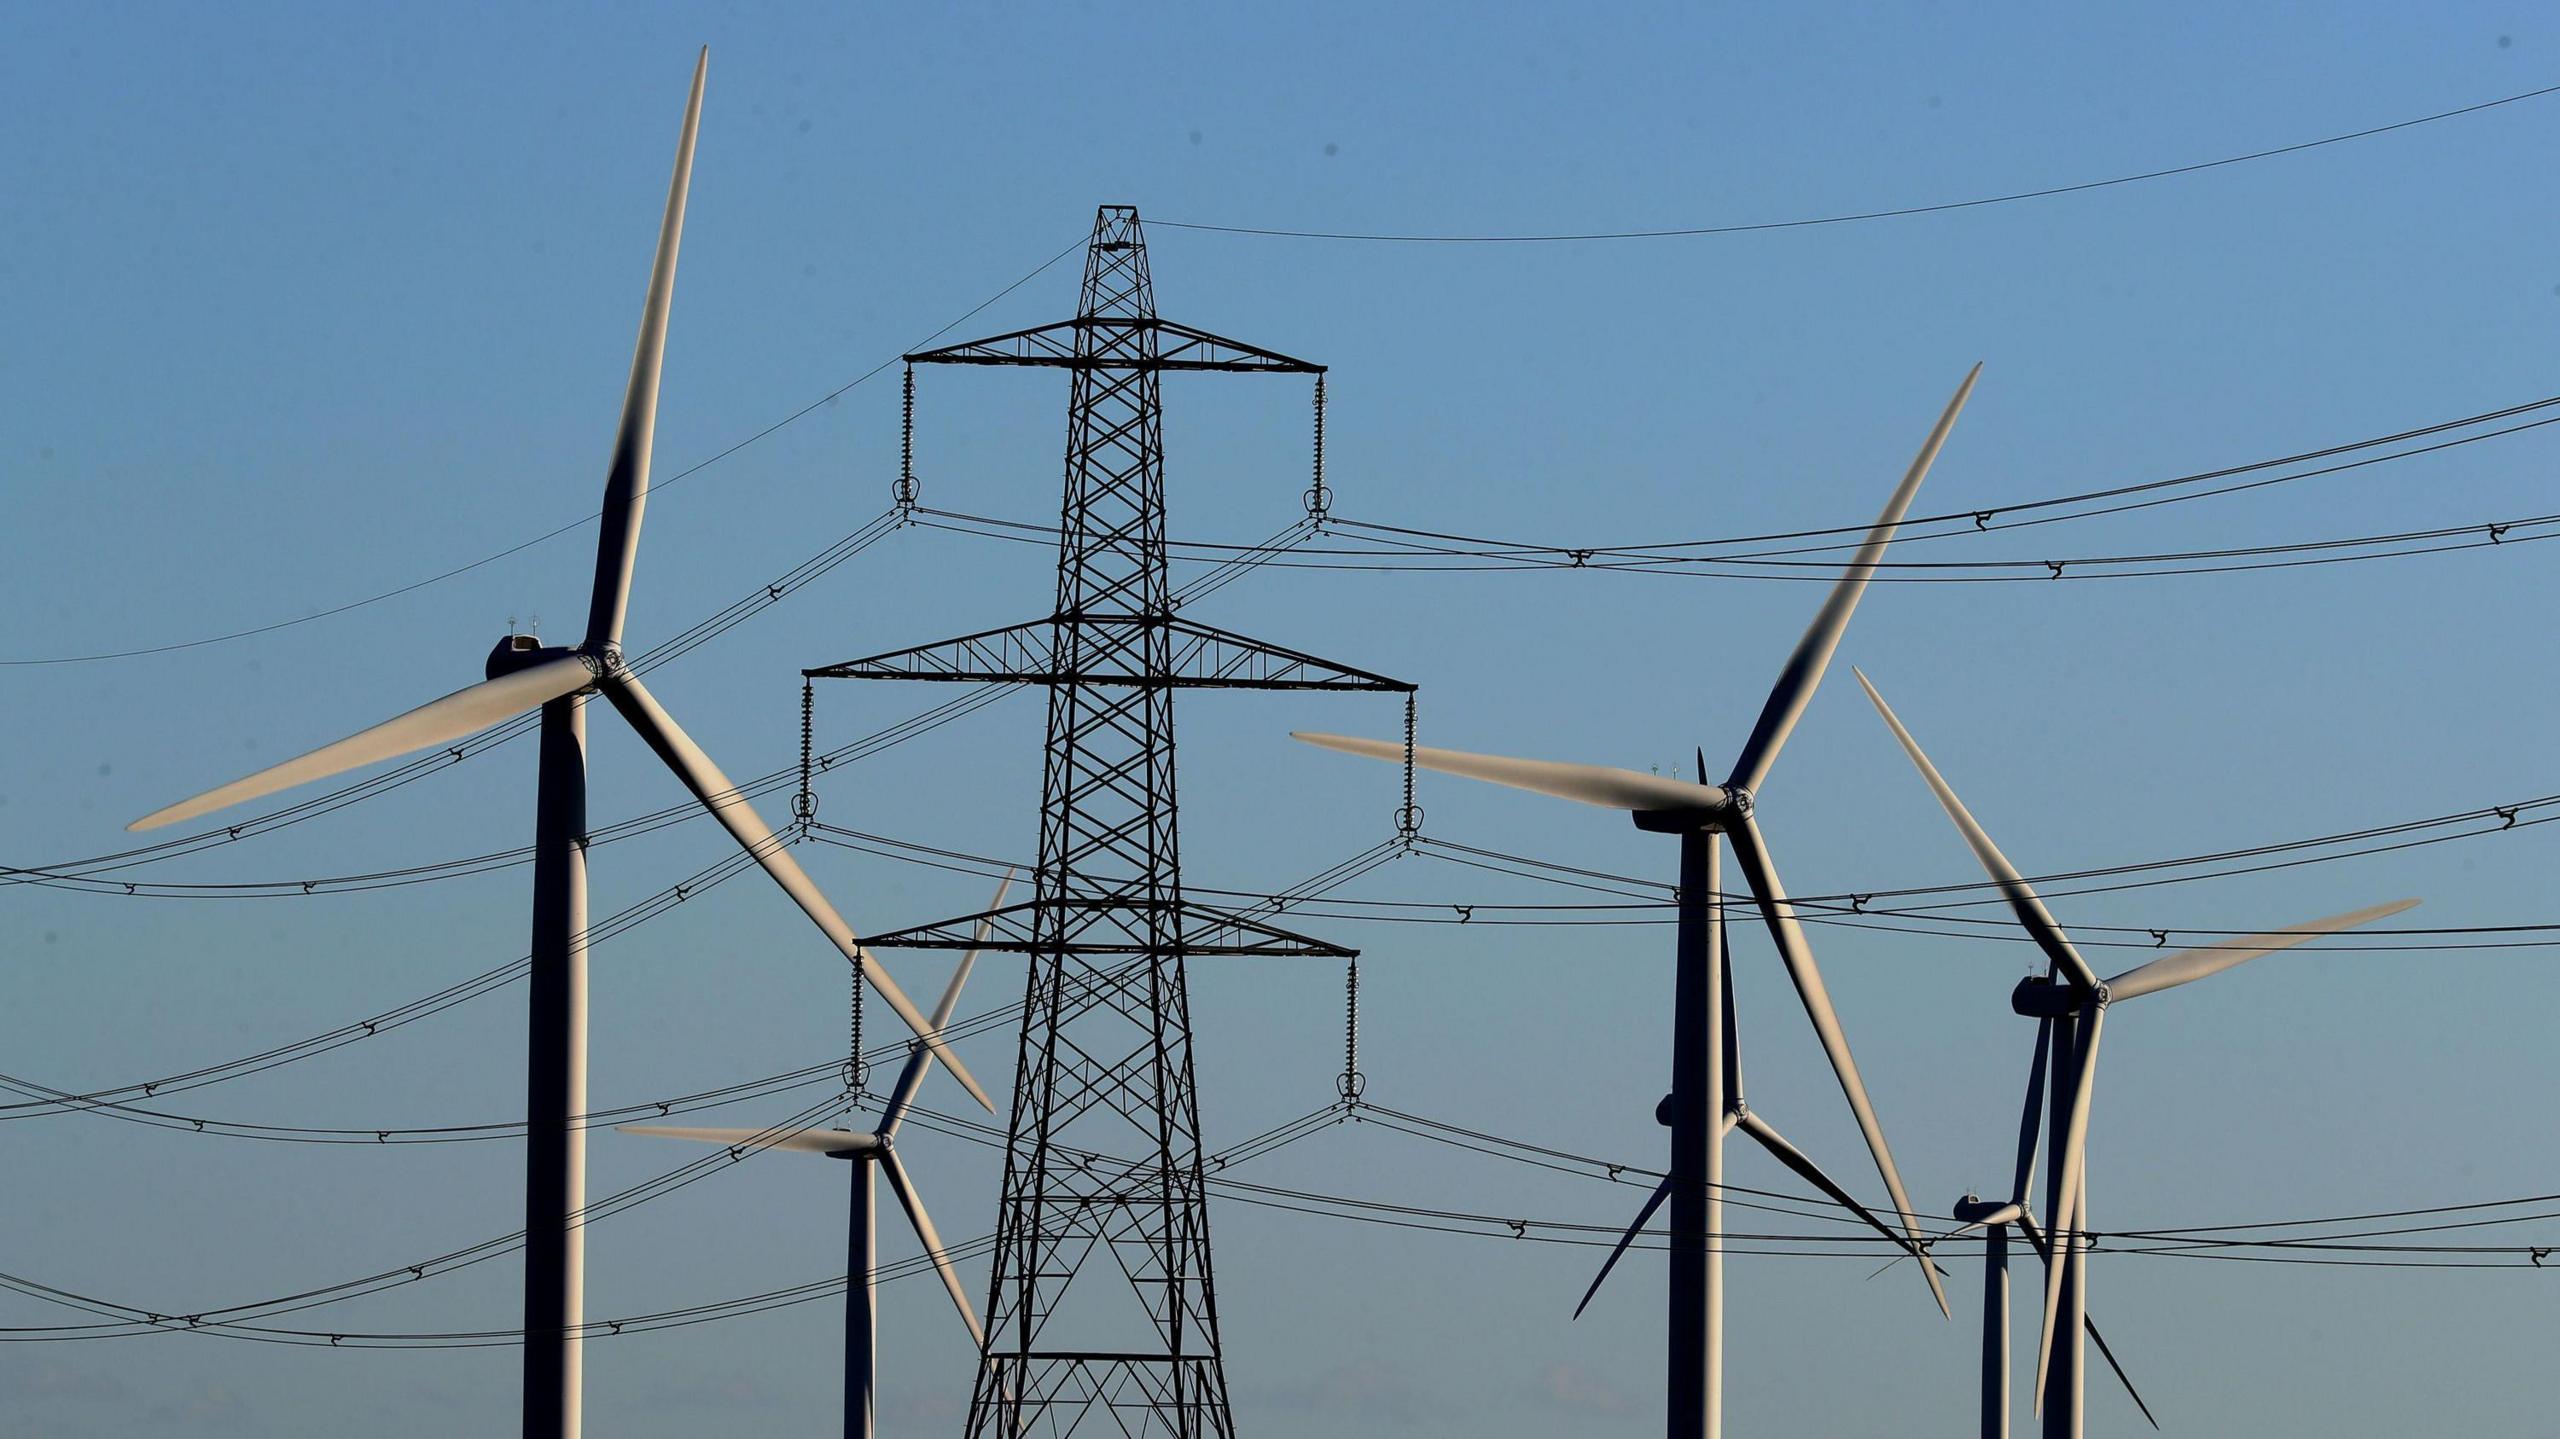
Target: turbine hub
{"points": [[1737, 801]]}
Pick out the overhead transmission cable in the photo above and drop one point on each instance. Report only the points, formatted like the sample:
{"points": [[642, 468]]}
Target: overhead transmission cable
{"points": [[656, 487], [2301, 554], [2173, 1242], [1862, 216], [1974, 521], [1945, 524], [729, 617], [127, 1321], [1847, 909], [1269, 552], [227, 1319]]}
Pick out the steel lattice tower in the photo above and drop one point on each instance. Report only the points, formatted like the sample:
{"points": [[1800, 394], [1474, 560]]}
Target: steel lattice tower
{"points": [[1103, 1158]]}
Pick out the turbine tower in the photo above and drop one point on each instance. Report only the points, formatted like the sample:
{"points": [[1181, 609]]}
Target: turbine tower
{"points": [[1995, 1221], [868, 1155], [524, 675], [2069, 1006], [1105, 1062], [1705, 1099]]}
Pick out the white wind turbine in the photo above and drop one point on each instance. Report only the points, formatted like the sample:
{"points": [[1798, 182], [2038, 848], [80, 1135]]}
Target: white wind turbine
{"points": [[523, 675], [1996, 1220], [2070, 1005], [875, 1151], [1703, 1105]]}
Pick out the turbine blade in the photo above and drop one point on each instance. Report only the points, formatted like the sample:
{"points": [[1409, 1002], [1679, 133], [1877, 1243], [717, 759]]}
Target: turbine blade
{"points": [[2190, 965], [2072, 1161], [1732, 1039], [1885, 1268], [1803, 672], [2030, 1119], [919, 1058], [2022, 898], [806, 1141], [2121, 1377], [1583, 783], [1795, 1159], [905, 1189], [2026, 1222], [1661, 1192], [2005, 1214], [730, 807], [1751, 852], [462, 712], [2035, 1239], [969, 957], [626, 485]]}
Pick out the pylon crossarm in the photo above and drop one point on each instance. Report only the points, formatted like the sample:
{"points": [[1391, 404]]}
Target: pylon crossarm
{"points": [[1014, 652], [1198, 657], [1016, 929], [1112, 344]]}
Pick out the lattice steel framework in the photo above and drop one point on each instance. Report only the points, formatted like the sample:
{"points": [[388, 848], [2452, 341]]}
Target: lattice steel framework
{"points": [[1105, 1061]]}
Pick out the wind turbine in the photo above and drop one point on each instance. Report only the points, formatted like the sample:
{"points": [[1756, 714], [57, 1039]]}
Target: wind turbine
{"points": [[1739, 1115], [875, 1151], [1704, 1104], [2070, 1005], [523, 675], [1996, 1220]]}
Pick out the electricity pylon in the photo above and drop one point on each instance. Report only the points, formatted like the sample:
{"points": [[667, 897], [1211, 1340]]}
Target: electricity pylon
{"points": [[1102, 1156]]}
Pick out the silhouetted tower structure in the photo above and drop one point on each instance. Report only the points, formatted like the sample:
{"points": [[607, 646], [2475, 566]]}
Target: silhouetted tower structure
{"points": [[1102, 1159]]}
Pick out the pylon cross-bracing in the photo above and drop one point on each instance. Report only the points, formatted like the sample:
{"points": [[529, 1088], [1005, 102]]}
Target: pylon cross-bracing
{"points": [[1102, 1315]]}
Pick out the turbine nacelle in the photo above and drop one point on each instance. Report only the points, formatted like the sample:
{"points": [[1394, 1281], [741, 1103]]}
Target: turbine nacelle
{"points": [[860, 1146], [1973, 1210], [1720, 808], [2037, 997], [514, 652]]}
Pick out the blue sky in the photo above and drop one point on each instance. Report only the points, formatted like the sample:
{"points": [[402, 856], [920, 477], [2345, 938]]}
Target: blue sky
{"points": [[298, 304]]}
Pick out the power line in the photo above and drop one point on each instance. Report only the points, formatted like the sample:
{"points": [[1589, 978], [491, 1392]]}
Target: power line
{"points": [[1238, 559], [1976, 521], [656, 486], [1044, 266], [1842, 909], [729, 617], [1331, 877], [434, 871], [1864, 1244], [1914, 529], [114, 1099], [1856, 217], [2495, 819], [2180, 1242], [1397, 548], [239, 1316], [2484, 534], [130, 1321]]}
